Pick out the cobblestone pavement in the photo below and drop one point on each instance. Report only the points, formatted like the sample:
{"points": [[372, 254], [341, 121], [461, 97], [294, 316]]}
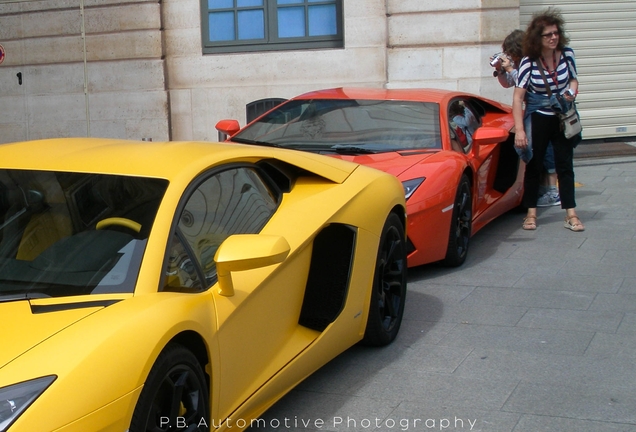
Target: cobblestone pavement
{"points": [[535, 332]]}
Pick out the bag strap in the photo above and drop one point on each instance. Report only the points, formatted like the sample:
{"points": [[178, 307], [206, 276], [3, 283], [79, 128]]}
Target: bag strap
{"points": [[547, 86]]}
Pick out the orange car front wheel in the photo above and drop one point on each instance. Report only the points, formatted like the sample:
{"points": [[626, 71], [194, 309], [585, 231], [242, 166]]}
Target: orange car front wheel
{"points": [[461, 225]]}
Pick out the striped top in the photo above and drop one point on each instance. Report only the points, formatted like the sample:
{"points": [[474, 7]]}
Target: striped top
{"points": [[529, 76]]}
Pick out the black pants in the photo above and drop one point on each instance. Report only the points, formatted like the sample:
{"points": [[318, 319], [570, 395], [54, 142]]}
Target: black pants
{"points": [[547, 129]]}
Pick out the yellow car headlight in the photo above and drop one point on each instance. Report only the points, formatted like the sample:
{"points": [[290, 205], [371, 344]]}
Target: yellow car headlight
{"points": [[16, 398]]}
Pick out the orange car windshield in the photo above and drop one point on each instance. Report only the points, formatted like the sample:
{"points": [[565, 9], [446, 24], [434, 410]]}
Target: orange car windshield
{"points": [[347, 125], [65, 234]]}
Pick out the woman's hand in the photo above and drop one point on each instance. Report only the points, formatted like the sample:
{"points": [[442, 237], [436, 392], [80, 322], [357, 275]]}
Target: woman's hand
{"points": [[521, 140], [574, 88], [506, 64]]}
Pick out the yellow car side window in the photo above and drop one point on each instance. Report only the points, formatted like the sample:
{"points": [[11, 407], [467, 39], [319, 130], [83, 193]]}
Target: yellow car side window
{"points": [[235, 201]]}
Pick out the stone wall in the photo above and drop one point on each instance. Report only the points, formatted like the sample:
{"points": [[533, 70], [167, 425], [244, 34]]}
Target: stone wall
{"points": [[119, 93], [447, 44]]}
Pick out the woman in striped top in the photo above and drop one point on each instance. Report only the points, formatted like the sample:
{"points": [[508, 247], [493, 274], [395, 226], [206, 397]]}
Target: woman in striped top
{"points": [[545, 47]]}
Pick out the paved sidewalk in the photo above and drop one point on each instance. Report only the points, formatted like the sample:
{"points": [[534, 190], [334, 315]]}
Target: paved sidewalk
{"points": [[535, 332]]}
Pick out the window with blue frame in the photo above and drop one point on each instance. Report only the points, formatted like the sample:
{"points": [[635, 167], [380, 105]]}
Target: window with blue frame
{"points": [[266, 25]]}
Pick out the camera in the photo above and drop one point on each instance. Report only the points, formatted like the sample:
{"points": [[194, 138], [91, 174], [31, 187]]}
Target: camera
{"points": [[496, 62], [497, 58]]}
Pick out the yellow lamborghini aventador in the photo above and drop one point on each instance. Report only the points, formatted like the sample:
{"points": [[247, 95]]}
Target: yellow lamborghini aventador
{"points": [[175, 286]]}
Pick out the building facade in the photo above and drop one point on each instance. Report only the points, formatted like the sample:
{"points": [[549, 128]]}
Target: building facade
{"points": [[170, 69]]}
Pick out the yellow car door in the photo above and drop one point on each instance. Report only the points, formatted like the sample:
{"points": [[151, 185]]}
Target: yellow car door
{"points": [[258, 320]]}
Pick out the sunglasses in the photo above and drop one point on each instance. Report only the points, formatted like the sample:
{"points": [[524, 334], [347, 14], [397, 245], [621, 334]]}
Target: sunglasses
{"points": [[549, 35]]}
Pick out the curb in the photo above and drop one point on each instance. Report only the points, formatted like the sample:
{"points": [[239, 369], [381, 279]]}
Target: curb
{"points": [[605, 149]]}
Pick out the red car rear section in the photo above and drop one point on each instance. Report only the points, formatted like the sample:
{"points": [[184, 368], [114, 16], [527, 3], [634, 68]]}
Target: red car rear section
{"points": [[465, 186]]}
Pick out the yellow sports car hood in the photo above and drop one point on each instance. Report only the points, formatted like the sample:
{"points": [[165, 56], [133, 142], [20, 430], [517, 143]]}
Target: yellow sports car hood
{"points": [[25, 325], [170, 160]]}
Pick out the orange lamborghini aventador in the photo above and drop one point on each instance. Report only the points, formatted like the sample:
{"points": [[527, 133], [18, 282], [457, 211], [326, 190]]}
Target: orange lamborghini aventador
{"points": [[452, 151]]}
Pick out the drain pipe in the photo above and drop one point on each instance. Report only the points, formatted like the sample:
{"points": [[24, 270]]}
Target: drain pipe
{"points": [[88, 114]]}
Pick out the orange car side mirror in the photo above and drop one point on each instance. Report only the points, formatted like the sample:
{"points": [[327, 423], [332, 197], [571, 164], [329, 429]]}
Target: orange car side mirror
{"points": [[489, 135], [228, 127]]}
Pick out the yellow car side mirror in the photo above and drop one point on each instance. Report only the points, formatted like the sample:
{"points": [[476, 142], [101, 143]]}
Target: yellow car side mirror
{"points": [[245, 252]]}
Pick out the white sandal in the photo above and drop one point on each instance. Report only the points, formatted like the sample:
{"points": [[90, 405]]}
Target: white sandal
{"points": [[529, 223], [576, 226]]}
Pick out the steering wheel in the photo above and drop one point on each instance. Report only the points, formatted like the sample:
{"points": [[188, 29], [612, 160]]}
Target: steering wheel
{"points": [[124, 222]]}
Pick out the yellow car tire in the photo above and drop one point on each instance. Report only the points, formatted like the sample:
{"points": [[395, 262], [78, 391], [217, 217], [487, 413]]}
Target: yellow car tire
{"points": [[175, 395], [389, 285]]}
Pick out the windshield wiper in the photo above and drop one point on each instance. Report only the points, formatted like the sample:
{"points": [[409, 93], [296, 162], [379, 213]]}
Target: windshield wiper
{"points": [[22, 296], [313, 148], [255, 142], [360, 149]]}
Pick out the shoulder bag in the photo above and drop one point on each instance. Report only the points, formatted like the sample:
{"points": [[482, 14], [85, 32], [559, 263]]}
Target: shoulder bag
{"points": [[570, 120]]}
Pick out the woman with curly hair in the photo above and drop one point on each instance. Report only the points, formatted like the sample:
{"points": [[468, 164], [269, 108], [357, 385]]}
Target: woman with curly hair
{"points": [[546, 54], [507, 76]]}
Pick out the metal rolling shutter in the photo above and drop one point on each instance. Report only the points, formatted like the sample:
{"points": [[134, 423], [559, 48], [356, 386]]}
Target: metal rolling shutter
{"points": [[603, 36]]}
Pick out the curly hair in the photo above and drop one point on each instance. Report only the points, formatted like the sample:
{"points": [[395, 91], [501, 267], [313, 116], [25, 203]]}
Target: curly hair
{"points": [[532, 41], [512, 45]]}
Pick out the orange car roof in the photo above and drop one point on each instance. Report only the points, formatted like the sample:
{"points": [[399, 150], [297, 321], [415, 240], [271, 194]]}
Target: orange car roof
{"points": [[411, 94], [416, 94]]}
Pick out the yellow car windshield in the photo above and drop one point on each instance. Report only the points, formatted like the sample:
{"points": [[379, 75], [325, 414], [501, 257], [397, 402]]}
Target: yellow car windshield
{"points": [[64, 234]]}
